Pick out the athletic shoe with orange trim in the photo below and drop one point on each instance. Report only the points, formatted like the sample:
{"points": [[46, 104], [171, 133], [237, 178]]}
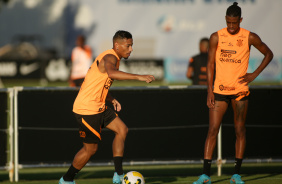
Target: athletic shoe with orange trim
{"points": [[62, 181], [203, 179], [236, 179]]}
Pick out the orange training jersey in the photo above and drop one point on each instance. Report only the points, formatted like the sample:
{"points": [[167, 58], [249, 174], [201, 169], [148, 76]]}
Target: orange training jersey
{"points": [[93, 92], [232, 59]]}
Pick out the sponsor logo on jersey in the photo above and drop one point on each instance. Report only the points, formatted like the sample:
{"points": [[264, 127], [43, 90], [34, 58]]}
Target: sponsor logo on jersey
{"points": [[242, 36], [230, 60], [226, 55], [108, 83], [230, 44], [224, 35], [226, 88], [228, 51]]}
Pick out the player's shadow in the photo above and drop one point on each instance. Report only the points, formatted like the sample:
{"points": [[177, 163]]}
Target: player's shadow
{"points": [[260, 177], [246, 180], [161, 180], [220, 180]]}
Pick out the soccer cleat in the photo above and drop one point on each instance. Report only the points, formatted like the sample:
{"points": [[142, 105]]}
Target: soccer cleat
{"points": [[203, 179], [236, 179], [62, 181], [117, 179]]}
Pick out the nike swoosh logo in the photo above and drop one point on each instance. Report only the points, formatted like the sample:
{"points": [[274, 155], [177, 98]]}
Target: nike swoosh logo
{"points": [[26, 69]]}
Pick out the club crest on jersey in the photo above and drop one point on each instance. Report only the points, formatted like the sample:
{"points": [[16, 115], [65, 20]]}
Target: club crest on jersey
{"points": [[82, 134], [239, 43]]}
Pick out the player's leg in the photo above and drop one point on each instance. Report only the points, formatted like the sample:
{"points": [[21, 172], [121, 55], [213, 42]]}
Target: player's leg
{"points": [[120, 130], [215, 118], [80, 160], [114, 123], [84, 154], [240, 112], [89, 128]]}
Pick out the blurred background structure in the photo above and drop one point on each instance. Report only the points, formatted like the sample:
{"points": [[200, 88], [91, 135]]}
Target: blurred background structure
{"points": [[37, 36]]}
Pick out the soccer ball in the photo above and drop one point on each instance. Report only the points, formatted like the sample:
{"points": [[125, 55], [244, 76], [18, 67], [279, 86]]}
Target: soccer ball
{"points": [[133, 177]]}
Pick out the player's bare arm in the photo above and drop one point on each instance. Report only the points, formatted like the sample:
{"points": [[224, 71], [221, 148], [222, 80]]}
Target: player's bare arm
{"points": [[116, 104], [110, 67], [255, 40], [210, 68], [189, 73]]}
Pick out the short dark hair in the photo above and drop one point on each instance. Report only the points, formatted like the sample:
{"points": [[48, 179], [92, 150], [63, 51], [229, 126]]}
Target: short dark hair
{"points": [[234, 10], [120, 34], [205, 39]]}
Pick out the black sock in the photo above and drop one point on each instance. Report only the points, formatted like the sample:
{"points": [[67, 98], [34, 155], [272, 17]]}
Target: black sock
{"points": [[118, 165], [69, 176], [207, 167], [238, 163]]}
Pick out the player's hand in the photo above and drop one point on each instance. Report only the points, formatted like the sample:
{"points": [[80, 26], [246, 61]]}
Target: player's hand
{"points": [[116, 105], [247, 78], [146, 78], [210, 100]]}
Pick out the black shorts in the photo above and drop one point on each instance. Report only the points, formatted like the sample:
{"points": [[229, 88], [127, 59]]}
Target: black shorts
{"points": [[245, 95], [90, 126]]}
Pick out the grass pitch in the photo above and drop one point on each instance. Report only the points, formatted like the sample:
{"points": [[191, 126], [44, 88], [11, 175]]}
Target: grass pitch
{"points": [[260, 173]]}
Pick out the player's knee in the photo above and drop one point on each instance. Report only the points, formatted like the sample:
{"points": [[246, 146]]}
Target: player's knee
{"points": [[213, 131], [240, 131], [91, 150], [124, 131]]}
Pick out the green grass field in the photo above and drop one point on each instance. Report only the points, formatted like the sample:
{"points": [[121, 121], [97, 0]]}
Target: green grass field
{"points": [[260, 173]]}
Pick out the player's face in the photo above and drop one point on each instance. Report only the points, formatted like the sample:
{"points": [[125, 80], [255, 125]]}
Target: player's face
{"points": [[233, 24], [124, 47]]}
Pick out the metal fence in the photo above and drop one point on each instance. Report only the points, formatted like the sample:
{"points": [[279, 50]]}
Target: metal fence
{"points": [[39, 123]]}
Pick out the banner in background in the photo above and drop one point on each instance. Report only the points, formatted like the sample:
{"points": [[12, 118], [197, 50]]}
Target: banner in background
{"points": [[52, 70], [144, 67], [176, 68], [21, 69], [173, 28], [160, 28], [59, 69]]}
